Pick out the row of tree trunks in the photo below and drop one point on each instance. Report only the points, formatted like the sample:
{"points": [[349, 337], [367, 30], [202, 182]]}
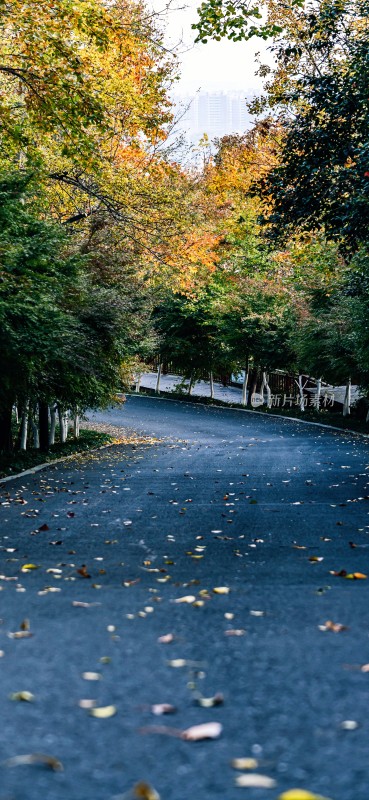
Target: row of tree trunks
{"points": [[41, 420]]}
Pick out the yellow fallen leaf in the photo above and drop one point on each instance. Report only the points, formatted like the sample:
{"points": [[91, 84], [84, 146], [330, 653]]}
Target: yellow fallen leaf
{"points": [[27, 697], [245, 763], [103, 712], [300, 794], [221, 590], [253, 779], [28, 567]]}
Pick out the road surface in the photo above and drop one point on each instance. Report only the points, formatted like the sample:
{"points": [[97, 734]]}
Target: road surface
{"points": [[262, 508]]}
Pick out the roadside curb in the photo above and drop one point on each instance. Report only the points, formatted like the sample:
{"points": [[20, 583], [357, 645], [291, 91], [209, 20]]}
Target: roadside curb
{"points": [[46, 464], [229, 407]]}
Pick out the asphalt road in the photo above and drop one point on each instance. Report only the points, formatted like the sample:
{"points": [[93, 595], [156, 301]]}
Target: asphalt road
{"points": [[226, 499]]}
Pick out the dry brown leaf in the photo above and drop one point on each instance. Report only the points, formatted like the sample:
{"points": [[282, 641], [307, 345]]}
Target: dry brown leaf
{"points": [[36, 758], [144, 791], [19, 635], [336, 627], [253, 779]]}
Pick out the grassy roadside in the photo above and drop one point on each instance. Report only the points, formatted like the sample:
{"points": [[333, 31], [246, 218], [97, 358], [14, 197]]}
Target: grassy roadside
{"points": [[324, 417], [17, 461]]}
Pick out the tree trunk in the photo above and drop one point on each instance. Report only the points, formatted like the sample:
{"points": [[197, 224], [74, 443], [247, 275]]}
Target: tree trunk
{"points": [[268, 390], [244, 385], [191, 384], [160, 366], [63, 425], [138, 383], [24, 428], [211, 379], [36, 438], [301, 393], [43, 418], [253, 385], [52, 424], [6, 439], [347, 401], [76, 421]]}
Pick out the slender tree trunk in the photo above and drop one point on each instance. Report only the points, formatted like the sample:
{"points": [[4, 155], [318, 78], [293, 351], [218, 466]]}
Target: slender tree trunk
{"points": [[160, 366], [52, 424], [268, 390], [63, 425], [191, 383], [76, 421], [43, 417], [318, 393], [211, 379], [253, 385], [347, 401], [301, 393], [6, 439], [244, 384], [24, 428], [138, 383], [36, 438], [16, 413]]}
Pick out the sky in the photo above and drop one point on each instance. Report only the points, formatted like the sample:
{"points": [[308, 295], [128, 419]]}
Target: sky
{"points": [[216, 66]]}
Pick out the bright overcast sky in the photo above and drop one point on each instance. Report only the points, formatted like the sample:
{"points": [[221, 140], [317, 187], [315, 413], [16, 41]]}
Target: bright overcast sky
{"points": [[215, 66]]}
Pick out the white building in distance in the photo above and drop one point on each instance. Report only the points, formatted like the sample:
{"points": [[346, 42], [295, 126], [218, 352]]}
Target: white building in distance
{"points": [[216, 114]]}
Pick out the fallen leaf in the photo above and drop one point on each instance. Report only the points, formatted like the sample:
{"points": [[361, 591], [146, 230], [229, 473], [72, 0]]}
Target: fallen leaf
{"points": [[244, 763], [300, 794], [144, 791], [83, 571], [19, 635], [336, 627], [29, 567], [221, 590], [314, 559], [36, 758], [166, 638], [188, 598], [26, 697], [253, 779], [163, 708], [91, 676], [208, 730], [177, 662], [235, 632], [103, 712], [87, 703], [210, 702]]}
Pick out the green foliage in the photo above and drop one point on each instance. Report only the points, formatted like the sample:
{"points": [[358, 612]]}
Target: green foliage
{"points": [[235, 20]]}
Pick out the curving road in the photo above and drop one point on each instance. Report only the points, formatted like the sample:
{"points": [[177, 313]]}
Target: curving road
{"points": [[261, 506]]}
